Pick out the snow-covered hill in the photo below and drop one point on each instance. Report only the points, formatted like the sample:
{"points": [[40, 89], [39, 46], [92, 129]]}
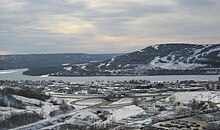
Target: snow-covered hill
{"points": [[168, 56], [158, 59]]}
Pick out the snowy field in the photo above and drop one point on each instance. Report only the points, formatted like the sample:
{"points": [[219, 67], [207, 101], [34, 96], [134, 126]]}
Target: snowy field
{"points": [[185, 97], [125, 112], [90, 102], [123, 101]]}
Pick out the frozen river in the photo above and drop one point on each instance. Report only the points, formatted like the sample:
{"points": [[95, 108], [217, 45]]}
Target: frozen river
{"points": [[17, 75]]}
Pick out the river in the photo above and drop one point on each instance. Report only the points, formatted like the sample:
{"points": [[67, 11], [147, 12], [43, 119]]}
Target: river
{"points": [[17, 75]]}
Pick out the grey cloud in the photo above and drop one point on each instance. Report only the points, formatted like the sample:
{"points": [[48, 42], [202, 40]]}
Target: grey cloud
{"points": [[198, 3], [188, 20]]}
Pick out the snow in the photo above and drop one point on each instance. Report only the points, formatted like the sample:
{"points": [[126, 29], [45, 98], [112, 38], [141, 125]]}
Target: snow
{"points": [[85, 117], [7, 111], [44, 76], [136, 122], [197, 52], [212, 50], [123, 101], [141, 50], [165, 114], [66, 64], [172, 64], [109, 63], [90, 102], [27, 100], [155, 46], [7, 71], [127, 65], [83, 67], [100, 65], [46, 107], [185, 97], [68, 68], [113, 59], [173, 61], [126, 112], [151, 94]]}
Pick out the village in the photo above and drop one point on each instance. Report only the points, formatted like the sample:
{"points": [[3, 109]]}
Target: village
{"points": [[133, 104]]}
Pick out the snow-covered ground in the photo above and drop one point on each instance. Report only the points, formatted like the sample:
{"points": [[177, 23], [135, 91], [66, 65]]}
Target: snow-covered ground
{"points": [[185, 97], [172, 64], [136, 122], [7, 111], [7, 71], [125, 112], [27, 100], [85, 117], [31, 105], [90, 102], [44, 76], [123, 101]]}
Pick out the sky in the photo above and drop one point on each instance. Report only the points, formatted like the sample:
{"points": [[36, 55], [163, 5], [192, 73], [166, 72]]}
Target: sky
{"points": [[104, 26]]}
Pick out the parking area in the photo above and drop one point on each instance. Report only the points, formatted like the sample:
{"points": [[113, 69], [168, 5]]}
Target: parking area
{"points": [[181, 124]]}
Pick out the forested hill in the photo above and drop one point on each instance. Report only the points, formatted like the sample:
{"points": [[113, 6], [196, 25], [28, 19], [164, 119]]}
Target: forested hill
{"points": [[45, 60]]}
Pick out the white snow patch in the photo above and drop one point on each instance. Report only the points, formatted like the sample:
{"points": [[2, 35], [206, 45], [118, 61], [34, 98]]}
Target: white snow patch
{"points": [[185, 97], [7, 71], [108, 64], [123, 101], [83, 67], [66, 64], [44, 76], [172, 64], [90, 102], [85, 117], [141, 50], [46, 107], [68, 68], [112, 60], [126, 112], [27, 100], [100, 65], [155, 46], [212, 50], [127, 65], [7, 111]]}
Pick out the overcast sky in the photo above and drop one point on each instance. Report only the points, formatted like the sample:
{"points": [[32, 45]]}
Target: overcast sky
{"points": [[104, 26]]}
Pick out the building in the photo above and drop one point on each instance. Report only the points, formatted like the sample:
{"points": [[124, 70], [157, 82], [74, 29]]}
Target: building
{"points": [[213, 125], [207, 117], [210, 117], [92, 90]]}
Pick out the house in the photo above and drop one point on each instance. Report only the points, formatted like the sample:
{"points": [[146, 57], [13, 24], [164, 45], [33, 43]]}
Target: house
{"points": [[92, 90]]}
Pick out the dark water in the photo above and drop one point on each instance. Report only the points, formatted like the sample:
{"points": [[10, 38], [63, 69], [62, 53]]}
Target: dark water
{"points": [[17, 75]]}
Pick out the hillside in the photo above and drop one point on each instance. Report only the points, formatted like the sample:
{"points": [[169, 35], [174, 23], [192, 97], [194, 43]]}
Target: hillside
{"points": [[45, 60], [156, 59], [168, 56]]}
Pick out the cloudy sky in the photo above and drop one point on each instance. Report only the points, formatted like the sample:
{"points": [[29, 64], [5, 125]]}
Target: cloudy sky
{"points": [[104, 26]]}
